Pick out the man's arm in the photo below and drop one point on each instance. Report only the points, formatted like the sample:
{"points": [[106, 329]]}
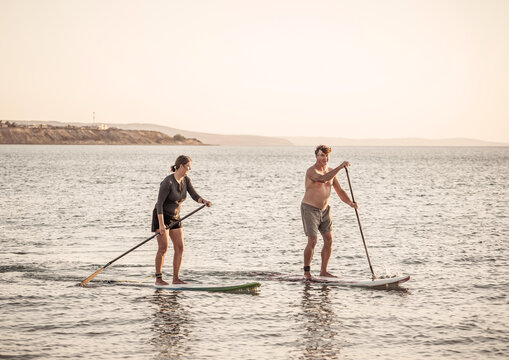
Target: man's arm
{"points": [[314, 176], [342, 194]]}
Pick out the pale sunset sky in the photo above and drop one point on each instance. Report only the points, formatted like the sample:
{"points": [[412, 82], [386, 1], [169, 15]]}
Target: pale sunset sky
{"points": [[356, 69]]}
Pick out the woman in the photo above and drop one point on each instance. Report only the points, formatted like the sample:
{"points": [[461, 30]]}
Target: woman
{"points": [[172, 192]]}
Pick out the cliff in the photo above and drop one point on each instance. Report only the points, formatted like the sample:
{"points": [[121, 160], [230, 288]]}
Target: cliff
{"points": [[83, 135], [206, 138]]}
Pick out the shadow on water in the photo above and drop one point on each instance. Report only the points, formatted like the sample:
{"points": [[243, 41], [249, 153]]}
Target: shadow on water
{"points": [[318, 323], [171, 327], [389, 289]]}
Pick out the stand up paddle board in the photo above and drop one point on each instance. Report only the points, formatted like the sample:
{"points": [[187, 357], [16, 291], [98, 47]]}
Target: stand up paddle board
{"points": [[205, 287], [388, 283]]}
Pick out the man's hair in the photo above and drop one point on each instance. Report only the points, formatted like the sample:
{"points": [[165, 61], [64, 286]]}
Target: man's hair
{"points": [[325, 149]]}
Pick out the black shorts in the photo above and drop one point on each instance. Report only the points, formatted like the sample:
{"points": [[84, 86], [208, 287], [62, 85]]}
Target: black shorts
{"points": [[168, 219]]}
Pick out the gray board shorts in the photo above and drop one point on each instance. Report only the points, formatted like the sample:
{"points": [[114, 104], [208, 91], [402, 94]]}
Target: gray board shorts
{"points": [[315, 219]]}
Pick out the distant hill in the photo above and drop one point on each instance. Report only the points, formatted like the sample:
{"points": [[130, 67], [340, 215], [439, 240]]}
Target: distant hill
{"points": [[213, 139], [333, 141], [206, 138], [85, 135], [254, 140]]}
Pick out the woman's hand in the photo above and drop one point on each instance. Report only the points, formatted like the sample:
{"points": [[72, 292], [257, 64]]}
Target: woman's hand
{"points": [[163, 232], [204, 202]]}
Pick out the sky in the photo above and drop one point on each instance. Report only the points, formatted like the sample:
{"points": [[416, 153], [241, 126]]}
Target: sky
{"points": [[356, 69]]}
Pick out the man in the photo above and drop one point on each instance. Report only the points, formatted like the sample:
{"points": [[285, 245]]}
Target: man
{"points": [[315, 209]]}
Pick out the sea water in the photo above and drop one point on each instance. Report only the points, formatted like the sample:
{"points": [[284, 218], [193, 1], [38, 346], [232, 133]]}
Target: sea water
{"points": [[439, 215]]}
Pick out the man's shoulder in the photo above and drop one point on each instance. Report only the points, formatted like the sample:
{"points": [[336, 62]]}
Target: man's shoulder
{"points": [[311, 170]]}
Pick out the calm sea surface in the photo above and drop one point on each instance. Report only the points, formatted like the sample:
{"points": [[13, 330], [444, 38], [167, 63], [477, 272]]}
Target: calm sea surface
{"points": [[437, 214]]}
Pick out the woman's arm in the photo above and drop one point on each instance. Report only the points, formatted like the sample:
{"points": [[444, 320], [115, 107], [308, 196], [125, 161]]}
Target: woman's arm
{"points": [[194, 194], [164, 191], [162, 226]]}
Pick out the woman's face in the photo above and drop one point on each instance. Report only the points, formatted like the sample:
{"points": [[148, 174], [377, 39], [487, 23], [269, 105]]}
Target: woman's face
{"points": [[185, 168]]}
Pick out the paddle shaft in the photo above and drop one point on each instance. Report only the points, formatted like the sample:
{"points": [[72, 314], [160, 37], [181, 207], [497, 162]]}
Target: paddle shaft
{"points": [[359, 222], [153, 236], [137, 246]]}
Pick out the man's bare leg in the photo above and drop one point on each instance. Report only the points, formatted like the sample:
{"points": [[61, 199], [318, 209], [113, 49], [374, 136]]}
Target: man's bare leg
{"points": [[326, 254], [308, 254]]}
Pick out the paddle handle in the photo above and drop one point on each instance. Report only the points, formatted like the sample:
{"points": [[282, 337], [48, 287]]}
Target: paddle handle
{"points": [[360, 226]]}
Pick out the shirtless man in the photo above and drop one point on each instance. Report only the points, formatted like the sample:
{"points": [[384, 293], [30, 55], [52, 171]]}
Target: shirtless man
{"points": [[320, 178]]}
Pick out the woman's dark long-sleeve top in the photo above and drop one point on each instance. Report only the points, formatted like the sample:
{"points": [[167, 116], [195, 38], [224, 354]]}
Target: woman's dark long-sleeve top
{"points": [[172, 194]]}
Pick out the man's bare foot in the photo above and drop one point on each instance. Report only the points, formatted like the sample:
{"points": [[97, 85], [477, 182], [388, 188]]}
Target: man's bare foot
{"points": [[327, 274], [161, 282], [307, 275], [178, 281]]}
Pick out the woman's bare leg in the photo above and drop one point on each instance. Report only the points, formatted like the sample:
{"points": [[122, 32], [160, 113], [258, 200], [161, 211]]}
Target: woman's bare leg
{"points": [[177, 238], [162, 242]]}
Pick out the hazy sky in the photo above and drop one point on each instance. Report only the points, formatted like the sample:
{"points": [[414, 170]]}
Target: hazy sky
{"points": [[357, 69]]}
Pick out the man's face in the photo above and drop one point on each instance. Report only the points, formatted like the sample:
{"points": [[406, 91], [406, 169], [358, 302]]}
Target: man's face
{"points": [[322, 158]]}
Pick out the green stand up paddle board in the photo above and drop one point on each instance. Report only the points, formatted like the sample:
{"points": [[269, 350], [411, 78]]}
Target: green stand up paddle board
{"points": [[208, 287]]}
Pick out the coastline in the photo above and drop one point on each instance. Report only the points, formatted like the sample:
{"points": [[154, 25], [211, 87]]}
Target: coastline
{"points": [[43, 134]]}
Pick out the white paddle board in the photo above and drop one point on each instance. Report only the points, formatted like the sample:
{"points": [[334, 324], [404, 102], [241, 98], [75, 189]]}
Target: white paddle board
{"points": [[209, 287], [392, 282], [386, 282]]}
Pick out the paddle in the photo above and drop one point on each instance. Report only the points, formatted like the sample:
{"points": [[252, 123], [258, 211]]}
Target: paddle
{"points": [[137, 246], [360, 227]]}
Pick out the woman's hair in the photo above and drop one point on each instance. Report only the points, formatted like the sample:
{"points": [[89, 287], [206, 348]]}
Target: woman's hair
{"points": [[181, 160]]}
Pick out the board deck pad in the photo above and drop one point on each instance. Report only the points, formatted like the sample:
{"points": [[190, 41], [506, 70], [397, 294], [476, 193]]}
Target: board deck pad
{"points": [[210, 287], [391, 282]]}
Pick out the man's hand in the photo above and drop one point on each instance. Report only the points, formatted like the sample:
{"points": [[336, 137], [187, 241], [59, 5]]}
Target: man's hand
{"points": [[345, 164], [354, 205]]}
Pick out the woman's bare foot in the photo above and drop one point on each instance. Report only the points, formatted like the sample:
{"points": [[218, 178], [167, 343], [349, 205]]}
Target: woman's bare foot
{"points": [[328, 274], [161, 282], [178, 281]]}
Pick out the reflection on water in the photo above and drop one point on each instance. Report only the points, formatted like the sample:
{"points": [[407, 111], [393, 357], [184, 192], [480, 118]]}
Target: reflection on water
{"points": [[171, 327], [318, 323], [433, 213]]}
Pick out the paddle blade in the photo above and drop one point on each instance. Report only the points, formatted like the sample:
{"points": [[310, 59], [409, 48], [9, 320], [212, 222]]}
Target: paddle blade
{"points": [[84, 282]]}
